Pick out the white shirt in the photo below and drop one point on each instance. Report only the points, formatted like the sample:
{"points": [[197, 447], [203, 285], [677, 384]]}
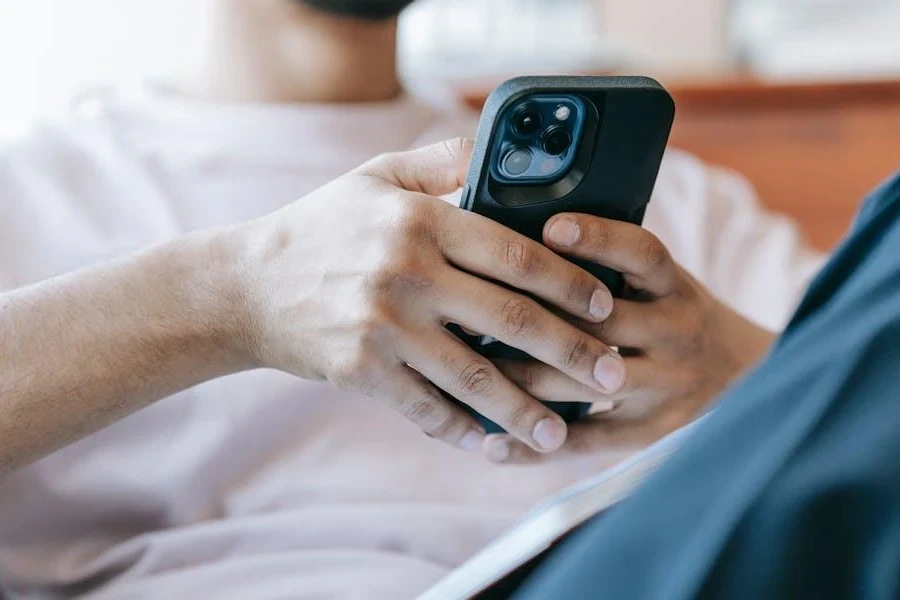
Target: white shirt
{"points": [[260, 485]]}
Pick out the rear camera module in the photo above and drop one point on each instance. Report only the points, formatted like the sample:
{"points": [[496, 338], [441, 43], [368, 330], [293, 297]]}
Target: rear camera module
{"points": [[536, 143], [516, 161], [556, 141], [527, 121]]}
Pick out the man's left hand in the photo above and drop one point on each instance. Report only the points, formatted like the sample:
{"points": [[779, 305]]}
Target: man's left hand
{"points": [[681, 346]]}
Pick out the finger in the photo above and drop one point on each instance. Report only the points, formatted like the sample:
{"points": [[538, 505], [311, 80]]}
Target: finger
{"points": [[635, 252], [548, 384], [414, 397], [523, 323], [551, 385], [631, 324], [473, 380], [483, 247], [600, 435], [435, 170]]}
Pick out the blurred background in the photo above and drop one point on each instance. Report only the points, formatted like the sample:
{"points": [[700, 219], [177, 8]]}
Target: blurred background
{"points": [[802, 96], [804, 39]]}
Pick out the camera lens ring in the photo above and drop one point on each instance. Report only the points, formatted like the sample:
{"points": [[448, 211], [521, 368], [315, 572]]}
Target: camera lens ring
{"points": [[556, 140], [527, 121], [516, 161]]}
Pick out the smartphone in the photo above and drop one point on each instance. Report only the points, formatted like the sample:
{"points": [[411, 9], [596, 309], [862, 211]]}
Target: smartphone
{"points": [[547, 145]]}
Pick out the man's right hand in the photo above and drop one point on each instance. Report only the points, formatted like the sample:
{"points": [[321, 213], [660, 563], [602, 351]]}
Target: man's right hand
{"points": [[355, 282]]}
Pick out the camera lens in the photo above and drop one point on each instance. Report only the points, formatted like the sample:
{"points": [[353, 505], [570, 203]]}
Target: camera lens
{"points": [[527, 121], [556, 141], [516, 161]]}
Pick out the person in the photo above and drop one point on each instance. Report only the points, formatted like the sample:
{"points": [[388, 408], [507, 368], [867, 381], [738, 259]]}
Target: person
{"points": [[251, 479], [794, 488]]}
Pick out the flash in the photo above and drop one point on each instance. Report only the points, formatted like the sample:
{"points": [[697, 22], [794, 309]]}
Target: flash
{"points": [[562, 113]]}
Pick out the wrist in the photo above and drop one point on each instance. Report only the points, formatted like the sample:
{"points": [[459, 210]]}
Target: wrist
{"points": [[208, 269]]}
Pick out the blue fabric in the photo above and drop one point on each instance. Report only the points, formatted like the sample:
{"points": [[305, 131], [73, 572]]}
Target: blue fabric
{"points": [[792, 487]]}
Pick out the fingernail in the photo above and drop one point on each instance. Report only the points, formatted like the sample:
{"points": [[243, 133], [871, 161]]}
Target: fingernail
{"points": [[472, 441], [601, 304], [609, 371], [603, 406], [564, 232], [549, 434], [498, 450]]}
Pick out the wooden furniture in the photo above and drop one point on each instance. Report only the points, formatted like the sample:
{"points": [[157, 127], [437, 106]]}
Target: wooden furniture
{"points": [[812, 150]]}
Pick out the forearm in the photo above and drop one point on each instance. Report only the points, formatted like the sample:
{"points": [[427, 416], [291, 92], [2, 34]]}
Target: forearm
{"points": [[83, 350]]}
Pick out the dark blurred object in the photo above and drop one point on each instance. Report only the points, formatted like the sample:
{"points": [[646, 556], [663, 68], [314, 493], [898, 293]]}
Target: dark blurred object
{"points": [[812, 150]]}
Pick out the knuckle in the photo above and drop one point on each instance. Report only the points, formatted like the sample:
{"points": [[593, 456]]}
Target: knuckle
{"points": [[442, 424], [520, 417], [526, 378], [414, 218], [381, 162], [531, 380], [476, 378], [653, 254], [522, 261], [357, 372], [373, 328], [575, 352], [522, 373], [598, 239], [422, 411], [579, 289], [403, 272], [431, 414], [518, 316]]}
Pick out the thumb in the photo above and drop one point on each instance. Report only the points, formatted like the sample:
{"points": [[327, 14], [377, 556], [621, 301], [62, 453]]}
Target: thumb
{"points": [[435, 170]]}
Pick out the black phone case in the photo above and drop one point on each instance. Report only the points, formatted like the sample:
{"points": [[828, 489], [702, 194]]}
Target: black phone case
{"points": [[628, 141]]}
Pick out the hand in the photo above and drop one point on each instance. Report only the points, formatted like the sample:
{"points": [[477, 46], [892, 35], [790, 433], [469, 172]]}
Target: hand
{"points": [[682, 346], [355, 283]]}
